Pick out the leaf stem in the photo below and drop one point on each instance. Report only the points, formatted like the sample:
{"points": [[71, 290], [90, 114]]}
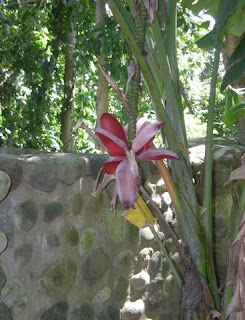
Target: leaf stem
{"points": [[207, 203]]}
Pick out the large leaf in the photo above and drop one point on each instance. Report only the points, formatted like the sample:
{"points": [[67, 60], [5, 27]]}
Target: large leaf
{"points": [[233, 73], [234, 113], [239, 52], [226, 8], [236, 23], [209, 41], [196, 6]]}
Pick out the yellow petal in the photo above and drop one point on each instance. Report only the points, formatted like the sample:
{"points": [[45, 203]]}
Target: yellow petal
{"points": [[140, 216]]}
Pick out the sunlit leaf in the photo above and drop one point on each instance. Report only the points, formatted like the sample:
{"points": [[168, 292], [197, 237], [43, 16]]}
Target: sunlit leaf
{"points": [[233, 73], [234, 113], [209, 41]]}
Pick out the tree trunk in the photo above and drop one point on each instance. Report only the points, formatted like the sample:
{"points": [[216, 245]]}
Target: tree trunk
{"points": [[102, 91], [39, 92], [69, 84], [230, 43]]}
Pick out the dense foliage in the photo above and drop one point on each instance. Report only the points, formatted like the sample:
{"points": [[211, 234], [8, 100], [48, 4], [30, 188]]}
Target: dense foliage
{"points": [[32, 67]]}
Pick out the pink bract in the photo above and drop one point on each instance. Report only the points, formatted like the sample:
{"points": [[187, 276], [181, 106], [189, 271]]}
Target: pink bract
{"points": [[114, 138]]}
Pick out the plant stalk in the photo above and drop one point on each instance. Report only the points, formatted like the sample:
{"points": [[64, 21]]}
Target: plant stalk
{"points": [[207, 203], [140, 22]]}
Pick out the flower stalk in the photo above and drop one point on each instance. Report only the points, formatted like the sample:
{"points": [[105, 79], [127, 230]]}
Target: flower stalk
{"points": [[140, 23]]}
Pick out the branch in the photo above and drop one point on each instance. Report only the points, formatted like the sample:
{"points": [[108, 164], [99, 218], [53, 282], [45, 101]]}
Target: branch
{"points": [[81, 124], [117, 91], [183, 93]]}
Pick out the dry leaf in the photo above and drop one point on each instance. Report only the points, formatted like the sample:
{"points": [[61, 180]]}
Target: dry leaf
{"points": [[237, 247], [236, 275], [234, 306], [214, 314], [117, 91], [151, 7], [98, 188]]}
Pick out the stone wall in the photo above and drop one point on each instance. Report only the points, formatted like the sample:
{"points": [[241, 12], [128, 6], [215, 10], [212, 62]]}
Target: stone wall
{"points": [[66, 256]]}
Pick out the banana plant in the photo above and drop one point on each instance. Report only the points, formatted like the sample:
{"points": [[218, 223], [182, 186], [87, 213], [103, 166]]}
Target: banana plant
{"points": [[150, 28]]}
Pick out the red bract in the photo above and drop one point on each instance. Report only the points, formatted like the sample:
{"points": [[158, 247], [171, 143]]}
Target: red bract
{"points": [[123, 160]]}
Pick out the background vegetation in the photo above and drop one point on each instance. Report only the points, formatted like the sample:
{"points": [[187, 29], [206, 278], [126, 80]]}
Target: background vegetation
{"points": [[36, 38]]}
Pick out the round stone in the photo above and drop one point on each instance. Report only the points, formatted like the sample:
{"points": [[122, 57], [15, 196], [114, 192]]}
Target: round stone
{"points": [[121, 288], [13, 168], [52, 240], [146, 233], [7, 226], [111, 312], [5, 183], [71, 235], [86, 239], [115, 226], [84, 311], [27, 216], [155, 263], [56, 311], [2, 279], [77, 204], [124, 258], [23, 254], [133, 310], [59, 277], [44, 174], [3, 241], [5, 313], [155, 300], [102, 296], [95, 265], [52, 211], [140, 280], [14, 294]]}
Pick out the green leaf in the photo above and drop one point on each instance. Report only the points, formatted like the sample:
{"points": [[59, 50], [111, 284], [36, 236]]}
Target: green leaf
{"points": [[226, 8], [239, 52], [208, 42], [233, 73], [234, 113]]}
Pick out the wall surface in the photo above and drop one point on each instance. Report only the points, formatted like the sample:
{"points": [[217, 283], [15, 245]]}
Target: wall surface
{"points": [[65, 255]]}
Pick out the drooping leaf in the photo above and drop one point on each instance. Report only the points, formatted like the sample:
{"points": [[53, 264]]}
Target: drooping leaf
{"points": [[236, 249], [233, 311], [239, 52], [236, 276], [209, 41], [214, 314], [233, 73], [237, 174], [118, 92], [151, 7], [233, 113]]}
